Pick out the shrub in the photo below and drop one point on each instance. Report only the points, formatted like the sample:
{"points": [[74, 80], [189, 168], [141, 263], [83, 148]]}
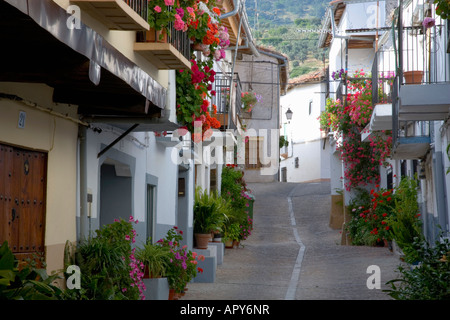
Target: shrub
{"points": [[210, 212], [428, 278], [109, 269], [28, 283]]}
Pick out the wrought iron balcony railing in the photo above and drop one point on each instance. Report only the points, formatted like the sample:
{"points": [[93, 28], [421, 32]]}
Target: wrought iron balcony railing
{"points": [[139, 6], [118, 14], [228, 106], [178, 39]]}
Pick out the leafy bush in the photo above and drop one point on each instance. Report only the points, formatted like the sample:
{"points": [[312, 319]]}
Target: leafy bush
{"points": [[28, 283], [155, 257], [406, 225], [109, 269], [428, 278], [182, 266], [387, 214], [370, 213], [210, 211], [235, 190]]}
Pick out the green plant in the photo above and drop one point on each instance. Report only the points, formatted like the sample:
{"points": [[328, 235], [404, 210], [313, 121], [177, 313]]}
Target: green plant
{"points": [[348, 118], [234, 190], [210, 211], [108, 267], [283, 142], [405, 223], [26, 283], [232, 232], [182, 266], [246, 228], [155, 257], [370, 213], [249, 100], [442, 8], [428, 278]]}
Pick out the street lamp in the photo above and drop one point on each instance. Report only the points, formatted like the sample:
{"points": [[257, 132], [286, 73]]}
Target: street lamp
{"points": [[289, 114]]}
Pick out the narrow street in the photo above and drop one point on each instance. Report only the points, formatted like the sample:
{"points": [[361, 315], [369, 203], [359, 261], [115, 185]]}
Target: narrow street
{"points": [[293, 254]]}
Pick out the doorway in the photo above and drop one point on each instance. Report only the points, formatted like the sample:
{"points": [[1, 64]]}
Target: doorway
{"points": [[23, 184], [115, 193]]}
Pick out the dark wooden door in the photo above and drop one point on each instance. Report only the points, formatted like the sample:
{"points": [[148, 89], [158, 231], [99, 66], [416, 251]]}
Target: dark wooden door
{"points": [[22, 200]]}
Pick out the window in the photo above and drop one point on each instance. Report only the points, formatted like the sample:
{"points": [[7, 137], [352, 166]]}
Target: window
{"points": [[296, 162], [310, 107], [253, 150]]}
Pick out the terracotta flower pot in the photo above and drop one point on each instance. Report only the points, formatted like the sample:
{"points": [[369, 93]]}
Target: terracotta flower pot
{"points": [[202, 240], [229, 244], [153, 35], [413, 77], [173, 295]]}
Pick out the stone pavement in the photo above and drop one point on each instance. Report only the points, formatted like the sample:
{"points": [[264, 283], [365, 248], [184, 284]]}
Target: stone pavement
{"points": [[293, 254]]}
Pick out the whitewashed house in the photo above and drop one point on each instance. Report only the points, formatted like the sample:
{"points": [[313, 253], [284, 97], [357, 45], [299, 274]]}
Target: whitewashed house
{"points": [[307, 156]]}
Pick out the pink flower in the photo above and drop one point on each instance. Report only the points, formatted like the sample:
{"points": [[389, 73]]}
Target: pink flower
{"points": [[169, 2], [157, 9], [428, 22], [178, 24]]}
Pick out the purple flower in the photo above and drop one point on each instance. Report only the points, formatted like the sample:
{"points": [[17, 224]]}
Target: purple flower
{"points": [[428, 22]]}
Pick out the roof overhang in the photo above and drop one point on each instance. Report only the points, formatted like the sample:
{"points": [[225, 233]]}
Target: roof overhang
{"points": [[83, 68]]}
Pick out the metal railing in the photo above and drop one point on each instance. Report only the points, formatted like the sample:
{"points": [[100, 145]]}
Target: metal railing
{"points": [[419, 48], [139, 6], [176, 38], [382, 77], [222, 99]]}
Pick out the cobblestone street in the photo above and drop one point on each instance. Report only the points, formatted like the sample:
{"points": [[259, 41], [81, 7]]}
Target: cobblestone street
{"points": [[293, 254]]}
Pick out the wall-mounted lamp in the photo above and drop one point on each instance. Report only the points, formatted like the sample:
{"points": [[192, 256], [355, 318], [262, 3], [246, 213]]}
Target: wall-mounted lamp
{"points": [[289, 114]]}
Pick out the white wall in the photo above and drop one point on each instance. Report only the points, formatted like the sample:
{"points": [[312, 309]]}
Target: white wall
{"points": [[304, 135], [149, 157]]}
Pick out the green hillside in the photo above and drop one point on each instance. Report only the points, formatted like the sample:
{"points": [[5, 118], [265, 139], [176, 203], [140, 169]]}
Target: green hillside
{"points": [[277, 23]]}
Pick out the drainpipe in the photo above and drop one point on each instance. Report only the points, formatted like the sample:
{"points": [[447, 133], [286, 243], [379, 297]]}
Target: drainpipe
{"points": [[249, 38], [83, 182]]}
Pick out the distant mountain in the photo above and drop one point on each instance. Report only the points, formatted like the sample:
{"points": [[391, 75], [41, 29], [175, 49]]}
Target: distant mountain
{"points": [[277, 23]]}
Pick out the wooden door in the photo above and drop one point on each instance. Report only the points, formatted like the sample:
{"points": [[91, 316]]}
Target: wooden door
{"points": [[22, 200]]}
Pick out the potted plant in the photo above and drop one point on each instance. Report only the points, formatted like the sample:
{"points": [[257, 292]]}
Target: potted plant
{"points": [[231, 234], [182, 266], [156, 259], [249, 100], [210, 212]]}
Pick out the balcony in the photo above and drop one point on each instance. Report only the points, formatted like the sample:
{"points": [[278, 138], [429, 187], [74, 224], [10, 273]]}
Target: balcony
{"points": [[382, 88], [227, 109], [410, 139], [167, 50], [117, 14], [426, 96]]}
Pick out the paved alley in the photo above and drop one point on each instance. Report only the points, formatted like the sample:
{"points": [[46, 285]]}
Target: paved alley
{"points": [[292, 253]]}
